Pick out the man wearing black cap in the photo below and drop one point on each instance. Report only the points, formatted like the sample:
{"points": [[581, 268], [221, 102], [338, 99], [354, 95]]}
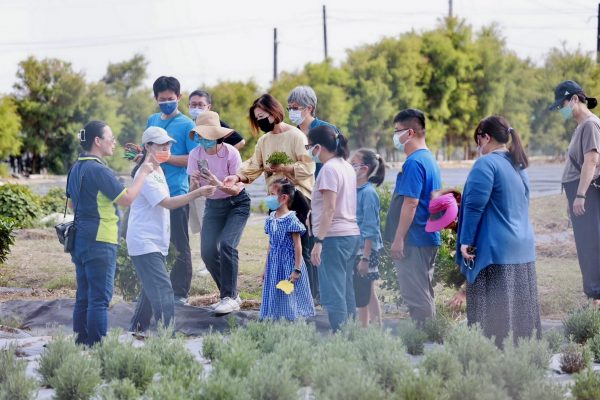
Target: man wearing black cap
{"points": [[580, 180]]}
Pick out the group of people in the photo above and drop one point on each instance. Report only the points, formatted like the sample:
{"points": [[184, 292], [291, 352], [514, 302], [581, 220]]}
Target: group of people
{"points": [[324, 215]]}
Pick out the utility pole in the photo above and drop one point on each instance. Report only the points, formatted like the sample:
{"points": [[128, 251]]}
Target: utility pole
{"points": [[274, 54], [598, 37], [325, 30], [450, 8]]}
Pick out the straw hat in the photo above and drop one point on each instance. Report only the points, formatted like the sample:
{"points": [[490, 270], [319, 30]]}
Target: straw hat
{"points": [[208, 126]]}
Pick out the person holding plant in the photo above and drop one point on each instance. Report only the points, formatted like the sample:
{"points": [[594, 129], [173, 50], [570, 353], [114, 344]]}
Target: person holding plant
{"points": [[226, 211], [267, 114], [336, 233], [495, 246], [580, 181], [284, 259], [370, 170], [149, 233], [94, 193]]}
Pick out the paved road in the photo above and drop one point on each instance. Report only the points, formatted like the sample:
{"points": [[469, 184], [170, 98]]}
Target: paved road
{"points": [[545, 181]]}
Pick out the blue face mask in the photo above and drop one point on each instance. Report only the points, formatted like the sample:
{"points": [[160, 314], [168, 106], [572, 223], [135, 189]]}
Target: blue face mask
{"points": [[272, 202], [566, 112], [315, 157], [397, 143], [206, 143], [168, 107]]}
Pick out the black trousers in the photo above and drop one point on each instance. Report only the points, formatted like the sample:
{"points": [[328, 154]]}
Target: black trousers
{"points": [[181, 274], [586, 229]]}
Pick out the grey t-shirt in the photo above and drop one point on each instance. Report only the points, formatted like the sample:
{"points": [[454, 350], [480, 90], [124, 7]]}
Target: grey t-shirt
{"points": [[586, 138]]}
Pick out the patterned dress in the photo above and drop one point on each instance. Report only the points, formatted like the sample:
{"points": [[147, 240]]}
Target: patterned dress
{"points": [[280, 264]]}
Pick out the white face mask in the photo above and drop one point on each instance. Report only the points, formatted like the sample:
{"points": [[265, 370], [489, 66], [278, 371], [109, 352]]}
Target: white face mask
{"points": [[296, 116], [194, 112]]}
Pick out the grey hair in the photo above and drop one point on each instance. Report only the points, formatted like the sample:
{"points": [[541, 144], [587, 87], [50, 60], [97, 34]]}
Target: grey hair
{"points": [[305, 96]]}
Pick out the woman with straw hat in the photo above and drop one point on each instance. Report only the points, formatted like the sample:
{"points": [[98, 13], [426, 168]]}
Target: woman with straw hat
{"points": [[226, 211]]}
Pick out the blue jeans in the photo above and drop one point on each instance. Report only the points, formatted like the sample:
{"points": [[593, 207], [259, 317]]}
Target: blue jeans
{"points": [[157, 293], [222, 227], [336, 278], [95, 264]]}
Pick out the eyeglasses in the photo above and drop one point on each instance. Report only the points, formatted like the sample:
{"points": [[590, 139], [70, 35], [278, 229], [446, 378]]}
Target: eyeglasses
{"points": [[358, 165], [198, 105], [295, 108], [401, 131], [110, 139]]}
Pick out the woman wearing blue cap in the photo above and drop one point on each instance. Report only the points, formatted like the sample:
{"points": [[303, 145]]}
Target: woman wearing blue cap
{"points": [[580, 180]]}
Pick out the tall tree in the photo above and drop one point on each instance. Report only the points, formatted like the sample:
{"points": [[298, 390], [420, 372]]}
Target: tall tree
{"points": [[47, 94], [10, 128]]}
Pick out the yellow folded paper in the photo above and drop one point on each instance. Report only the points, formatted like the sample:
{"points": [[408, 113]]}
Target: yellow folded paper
{"points": [[286, 286]]}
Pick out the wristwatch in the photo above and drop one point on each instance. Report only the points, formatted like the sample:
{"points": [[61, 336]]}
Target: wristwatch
{"points": [[580, 196], [363, 258], [296, 270], [318, 240]]}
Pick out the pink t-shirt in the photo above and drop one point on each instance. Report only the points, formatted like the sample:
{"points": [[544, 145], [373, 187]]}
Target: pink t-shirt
{"points": [[338, 176], [226, 162]]}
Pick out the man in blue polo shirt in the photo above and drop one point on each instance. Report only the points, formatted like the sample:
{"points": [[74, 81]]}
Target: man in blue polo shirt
{"points": [[167, 92], [413, 249]]}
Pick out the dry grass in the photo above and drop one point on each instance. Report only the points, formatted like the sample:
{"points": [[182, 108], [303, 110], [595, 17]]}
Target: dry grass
{"points": [[37, 262]]}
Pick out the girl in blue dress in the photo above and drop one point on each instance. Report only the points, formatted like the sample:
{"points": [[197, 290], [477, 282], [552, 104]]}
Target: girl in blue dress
{"points": [[284, 259]]}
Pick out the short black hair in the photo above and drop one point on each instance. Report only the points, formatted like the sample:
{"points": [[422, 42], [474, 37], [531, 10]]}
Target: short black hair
{"points": [[202, 93], [166, 83], [412, 115]]}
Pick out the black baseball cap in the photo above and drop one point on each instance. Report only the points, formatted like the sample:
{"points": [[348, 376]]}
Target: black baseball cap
{"points": [[565, 90]]}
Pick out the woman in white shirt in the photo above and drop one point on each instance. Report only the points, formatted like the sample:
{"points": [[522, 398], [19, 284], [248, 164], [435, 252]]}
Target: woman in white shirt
{"points": [[148, 233]]}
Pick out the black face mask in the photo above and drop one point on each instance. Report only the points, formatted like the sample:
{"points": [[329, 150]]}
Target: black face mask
{"points": [[265, 125]]}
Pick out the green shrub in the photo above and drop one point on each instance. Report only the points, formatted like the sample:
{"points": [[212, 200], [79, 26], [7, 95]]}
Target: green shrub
{"points": [[520, 366], [238, 356], [474, 385], [299, 360], [381, 353], [54, 356], [169, 350], [554, 339], [122, 389], [5, 171], [587, 385], [543, 390], [594, 346], [220, 385], [77, 378], [14, 383], [387, 270], [575, 357], [53, 201], [446, 271], [338, 375], [271, 379], [582, 324], [122, 360], [212, 345], [437, 328], [472, 349], [413, 338], [19, 203], [442, 363], [7, 237], [420, 387], [267, 334], [279, 158]]}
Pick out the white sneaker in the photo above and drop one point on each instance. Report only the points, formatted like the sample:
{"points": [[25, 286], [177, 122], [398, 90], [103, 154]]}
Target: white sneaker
{"points": [[239, 300], [226, 306]]}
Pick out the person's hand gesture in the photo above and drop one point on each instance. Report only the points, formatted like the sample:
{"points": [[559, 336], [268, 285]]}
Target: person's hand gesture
{"points": [[363, 268], [147, 168], [206, 190], [294, 276], [579, 207], [230, 180], [397, 249], [211, 178], [315, 254]]}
